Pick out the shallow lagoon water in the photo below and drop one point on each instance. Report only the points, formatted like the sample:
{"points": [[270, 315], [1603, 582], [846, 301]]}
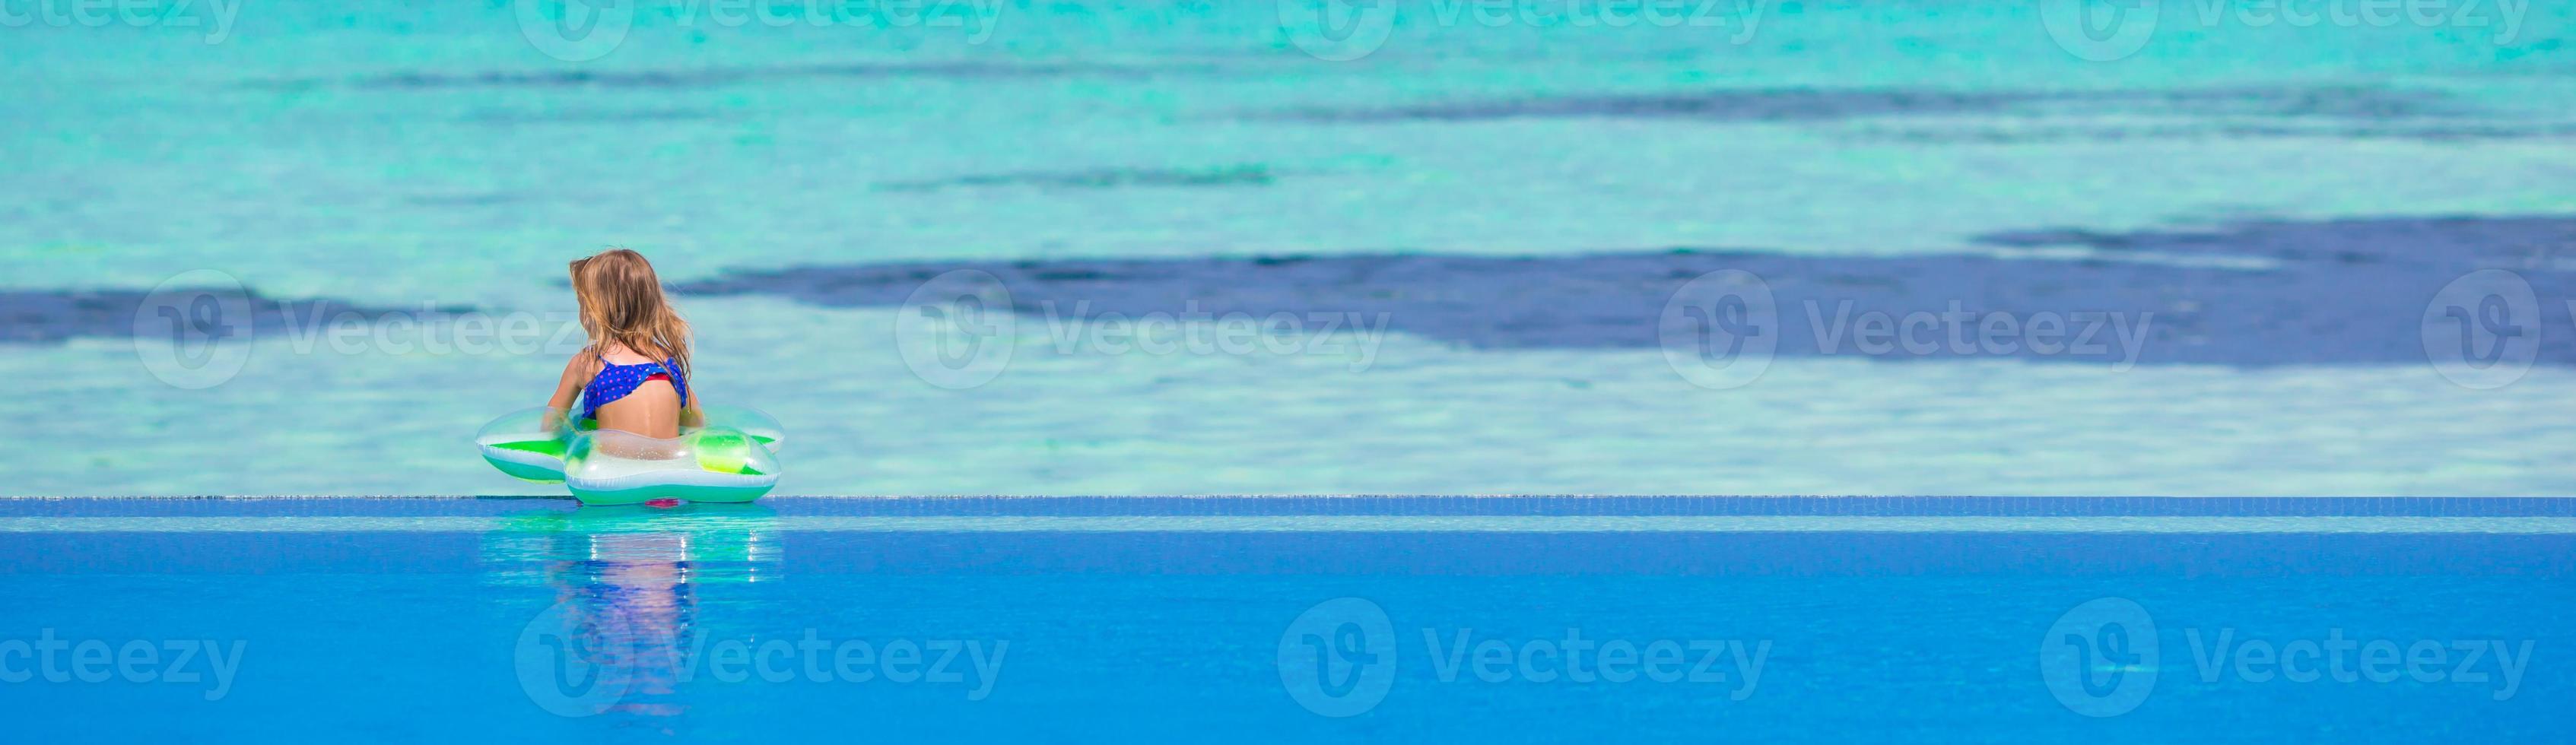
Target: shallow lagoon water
{"points": [[1422, 418], [434, 158]]}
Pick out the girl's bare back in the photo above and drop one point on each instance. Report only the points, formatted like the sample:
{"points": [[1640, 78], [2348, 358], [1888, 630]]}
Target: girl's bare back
{"points": [[652, 410]]}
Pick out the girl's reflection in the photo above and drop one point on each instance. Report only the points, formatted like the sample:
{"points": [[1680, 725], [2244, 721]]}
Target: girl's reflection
{"points": [[628, 582]]}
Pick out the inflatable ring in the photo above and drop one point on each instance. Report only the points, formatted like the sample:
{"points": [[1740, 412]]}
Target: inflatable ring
{"points": [[732, 458]]}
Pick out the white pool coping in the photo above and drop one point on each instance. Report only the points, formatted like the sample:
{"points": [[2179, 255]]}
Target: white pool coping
{"points": [[1362, 524]]}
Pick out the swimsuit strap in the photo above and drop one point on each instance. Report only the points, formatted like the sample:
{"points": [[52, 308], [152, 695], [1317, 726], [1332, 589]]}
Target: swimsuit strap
{"points": [[615, 381], [679, 383]]}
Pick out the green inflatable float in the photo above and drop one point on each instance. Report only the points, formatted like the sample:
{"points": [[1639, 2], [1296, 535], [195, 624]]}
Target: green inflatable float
{"points": [[731, 458]]}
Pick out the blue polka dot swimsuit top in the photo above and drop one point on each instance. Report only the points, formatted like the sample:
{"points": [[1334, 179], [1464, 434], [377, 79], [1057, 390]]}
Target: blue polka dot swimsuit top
{"points": [[614, 381]]}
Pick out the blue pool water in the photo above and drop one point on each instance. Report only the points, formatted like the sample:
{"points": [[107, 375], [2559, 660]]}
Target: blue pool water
{"points": [[1981, 619]]}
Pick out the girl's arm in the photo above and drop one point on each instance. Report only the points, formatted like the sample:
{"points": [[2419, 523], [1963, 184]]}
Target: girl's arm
{"points": [[690, 416], [576, 373]]}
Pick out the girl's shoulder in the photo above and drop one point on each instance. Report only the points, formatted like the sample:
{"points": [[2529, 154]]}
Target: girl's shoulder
{"points": [[583, 366], [615, 355]]}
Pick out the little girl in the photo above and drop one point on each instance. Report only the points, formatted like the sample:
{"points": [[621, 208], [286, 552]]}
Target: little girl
{"points": [[634, 376]]}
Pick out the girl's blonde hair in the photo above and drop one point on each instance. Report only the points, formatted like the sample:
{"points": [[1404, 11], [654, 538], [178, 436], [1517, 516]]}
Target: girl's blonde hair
{"points": [[622, 304]]}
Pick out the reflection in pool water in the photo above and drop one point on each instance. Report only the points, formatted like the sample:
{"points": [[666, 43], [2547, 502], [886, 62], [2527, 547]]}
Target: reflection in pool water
{"points": [[622, 633], [1328, 619]]}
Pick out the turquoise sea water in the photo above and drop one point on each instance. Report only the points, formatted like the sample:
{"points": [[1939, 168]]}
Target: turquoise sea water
{"points": [[435, 156]]}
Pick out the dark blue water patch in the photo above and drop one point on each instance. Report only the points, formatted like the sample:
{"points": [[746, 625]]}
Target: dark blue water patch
{"points": [[713, 77], [53, 316], [1099, 178], [2439, 131], [588, 116], [2262, 293], [1795, 104], [2366, 103], [475, 199], [2437, 244]]}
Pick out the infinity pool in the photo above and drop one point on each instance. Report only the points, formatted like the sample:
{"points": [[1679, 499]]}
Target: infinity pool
{"points": [[1417, 619]]}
